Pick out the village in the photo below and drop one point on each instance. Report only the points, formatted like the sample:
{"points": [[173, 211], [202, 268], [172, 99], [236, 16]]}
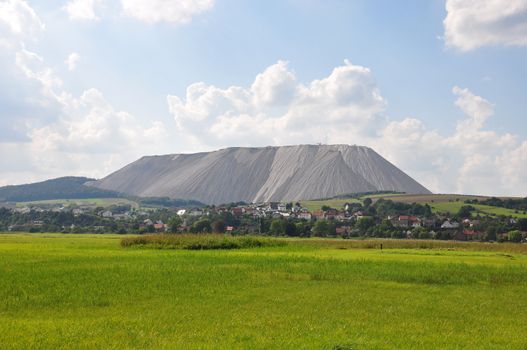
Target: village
{"points": [[383, 218]]}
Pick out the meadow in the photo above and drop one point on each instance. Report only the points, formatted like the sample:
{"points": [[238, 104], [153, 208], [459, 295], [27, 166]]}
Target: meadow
{"points": [[440, 203], [101, 202], [88, 291]]}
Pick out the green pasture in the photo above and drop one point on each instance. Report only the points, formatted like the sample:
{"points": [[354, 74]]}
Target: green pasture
{"points": [[337, 203], [88, 292], [443, 203], [453, 207], [99, 202]]}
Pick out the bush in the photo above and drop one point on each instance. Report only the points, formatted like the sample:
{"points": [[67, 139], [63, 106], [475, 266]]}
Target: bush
{"points": [[200, 242], [515, 236]]}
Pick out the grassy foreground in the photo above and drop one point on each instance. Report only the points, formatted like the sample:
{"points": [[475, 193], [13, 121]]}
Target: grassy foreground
{"points": [[87, 292]]}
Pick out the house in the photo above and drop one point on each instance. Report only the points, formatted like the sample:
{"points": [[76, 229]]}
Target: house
{"points": [[304, 215], [195, 212], [106, 214], [318, 214], [406, 221], [237, 211], [77, 212], [160, 227], [183, 228], [449, 225], [229, 229], [470, 235], [343, 231], [124, 216], [282, 207], [181, 212], [273, 206], [148, 222]]}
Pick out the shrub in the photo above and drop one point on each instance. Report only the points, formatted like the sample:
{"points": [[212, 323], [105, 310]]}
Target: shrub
{"points": [[200, 242]]}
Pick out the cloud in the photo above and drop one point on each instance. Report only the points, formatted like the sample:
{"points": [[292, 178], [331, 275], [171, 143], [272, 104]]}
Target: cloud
{"points": [[153, 11], [471, 24], [82, 10], [347, 107], [72, 60], [277, 109], [19, 19], [87, 135]]}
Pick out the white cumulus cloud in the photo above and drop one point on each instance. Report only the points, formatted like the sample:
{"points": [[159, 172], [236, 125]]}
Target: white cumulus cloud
{"points": [[18, 18], [72, 60], [347, 107], [82, 10], [152, 11], [470, 24]]}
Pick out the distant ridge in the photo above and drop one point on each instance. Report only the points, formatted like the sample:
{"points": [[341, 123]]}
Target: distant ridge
{"points": [[284, 173], [70, 187]]}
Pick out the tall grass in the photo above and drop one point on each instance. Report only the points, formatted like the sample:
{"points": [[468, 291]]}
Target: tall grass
{"points": [[414, 244], [200, 242]]}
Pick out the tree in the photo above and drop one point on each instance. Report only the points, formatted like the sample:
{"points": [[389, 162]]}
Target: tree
{"points": [[515, 236], [277, 227], [174, 223], [218, 226], [290, 229], [367, 202], [202, 225], [364, 224], [465, 211], [323, 228], [325, 208], [522, 224]]}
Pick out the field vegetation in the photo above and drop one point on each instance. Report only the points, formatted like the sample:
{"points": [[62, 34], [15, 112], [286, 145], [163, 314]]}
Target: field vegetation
{"points": [[87, 291], [440, 203], [200, 241]]}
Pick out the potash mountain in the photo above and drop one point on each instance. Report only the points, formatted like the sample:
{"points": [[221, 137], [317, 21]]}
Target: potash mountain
{"points": [[268, 174]]}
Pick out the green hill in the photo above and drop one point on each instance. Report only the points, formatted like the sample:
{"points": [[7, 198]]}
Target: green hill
{"points": [[70, 187]]}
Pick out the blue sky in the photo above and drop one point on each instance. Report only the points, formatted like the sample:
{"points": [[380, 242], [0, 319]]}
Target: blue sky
{"points": [[448, 79]]}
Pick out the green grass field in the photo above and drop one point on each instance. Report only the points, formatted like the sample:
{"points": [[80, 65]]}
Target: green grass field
{"points": [[88, 292], [439, 202], [453, 207], [338, 203], [100, 202]]}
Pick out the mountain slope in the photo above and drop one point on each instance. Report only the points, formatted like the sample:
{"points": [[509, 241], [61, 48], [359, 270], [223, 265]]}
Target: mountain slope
{"points": [[61, 188], [285, 173]]}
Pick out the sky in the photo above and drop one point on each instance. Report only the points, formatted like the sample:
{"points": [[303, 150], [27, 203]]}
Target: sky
{"points": [[437, 87]]}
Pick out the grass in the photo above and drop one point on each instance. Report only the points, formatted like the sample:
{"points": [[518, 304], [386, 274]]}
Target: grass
{"points": [[200, 242], [453, 207], [99, 202], [440, 203], [86, 291], [337, 203]]}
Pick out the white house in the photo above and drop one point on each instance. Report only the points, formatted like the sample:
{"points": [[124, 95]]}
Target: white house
{"points": [[449, 224]]}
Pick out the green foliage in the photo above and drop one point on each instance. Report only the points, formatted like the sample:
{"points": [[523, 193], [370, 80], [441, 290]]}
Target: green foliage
{"points": [[277, 227], [70, 292], [515, 236], [365, 224], [61, 188], [174, 222], [168, 202], [202, 225], [323, 228], [200, 242], [465, 211]]}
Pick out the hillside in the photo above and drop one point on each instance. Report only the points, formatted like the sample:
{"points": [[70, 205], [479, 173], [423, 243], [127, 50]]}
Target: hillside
{"points": [[285, 173], [61, 188]]}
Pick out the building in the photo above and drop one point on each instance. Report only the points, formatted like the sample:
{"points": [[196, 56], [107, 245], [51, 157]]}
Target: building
{"points": [[449, 225]]}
